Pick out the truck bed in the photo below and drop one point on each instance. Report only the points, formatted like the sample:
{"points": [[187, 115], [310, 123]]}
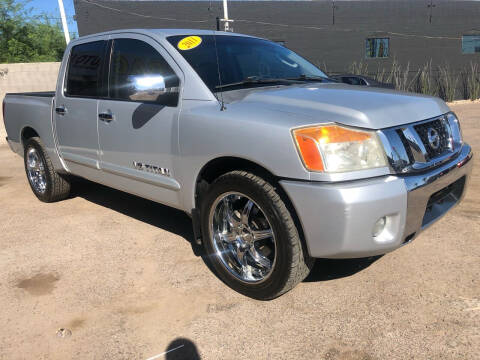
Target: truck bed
{"points": [[26, 112]]}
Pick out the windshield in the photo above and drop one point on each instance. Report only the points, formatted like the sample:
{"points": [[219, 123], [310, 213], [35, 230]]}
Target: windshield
{"points": [[240, 59]]}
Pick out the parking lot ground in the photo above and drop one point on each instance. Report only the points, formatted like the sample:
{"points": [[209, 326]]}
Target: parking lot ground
{"points": [[119, 275]]}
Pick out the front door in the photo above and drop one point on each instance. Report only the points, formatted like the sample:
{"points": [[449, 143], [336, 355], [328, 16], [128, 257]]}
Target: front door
{"points": [[76, 107], [137, 123]]}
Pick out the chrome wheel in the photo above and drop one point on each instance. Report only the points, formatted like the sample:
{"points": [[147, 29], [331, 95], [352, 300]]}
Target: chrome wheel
{"points": [[36, 171], [242, 237]]}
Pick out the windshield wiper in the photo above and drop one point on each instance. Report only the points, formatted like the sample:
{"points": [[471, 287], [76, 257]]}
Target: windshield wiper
{"points": [[257, 80]]}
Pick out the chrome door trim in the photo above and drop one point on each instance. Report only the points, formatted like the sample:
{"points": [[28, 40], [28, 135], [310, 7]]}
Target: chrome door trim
{"points": [[150, 178]]}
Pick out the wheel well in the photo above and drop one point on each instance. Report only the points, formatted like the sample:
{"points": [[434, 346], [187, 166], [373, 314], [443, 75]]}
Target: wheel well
{"points": [[217, 167], [28, 133]]}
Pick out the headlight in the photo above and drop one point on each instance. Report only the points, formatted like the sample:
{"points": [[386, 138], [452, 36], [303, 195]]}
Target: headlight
{"points": [[456, 129], [334, 148]]}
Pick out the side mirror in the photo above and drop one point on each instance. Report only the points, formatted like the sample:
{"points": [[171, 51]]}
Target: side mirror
{"points": [[152, 88]]}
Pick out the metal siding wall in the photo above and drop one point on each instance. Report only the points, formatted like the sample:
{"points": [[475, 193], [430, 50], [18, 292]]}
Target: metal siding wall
{"points": [[335, 45]]}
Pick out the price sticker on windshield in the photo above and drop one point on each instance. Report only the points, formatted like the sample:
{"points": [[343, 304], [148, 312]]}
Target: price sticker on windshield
{"points": [[189, 42]]}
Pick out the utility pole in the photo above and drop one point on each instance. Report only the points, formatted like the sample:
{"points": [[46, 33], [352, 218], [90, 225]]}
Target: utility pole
{"points": [[64, 21], [431, 6], [225, 19], [334, 7]]}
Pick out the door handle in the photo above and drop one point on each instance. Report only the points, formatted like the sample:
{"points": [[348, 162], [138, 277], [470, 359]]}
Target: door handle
{"points": [[106, 117], [61, 110]]}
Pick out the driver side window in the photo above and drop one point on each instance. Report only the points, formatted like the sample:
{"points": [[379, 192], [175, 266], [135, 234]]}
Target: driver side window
{"points": [[139, 73]]}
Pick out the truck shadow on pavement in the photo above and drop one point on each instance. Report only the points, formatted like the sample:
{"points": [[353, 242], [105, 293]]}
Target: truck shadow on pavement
{"points": [[150, 212], [331, 269], [179, 223]]}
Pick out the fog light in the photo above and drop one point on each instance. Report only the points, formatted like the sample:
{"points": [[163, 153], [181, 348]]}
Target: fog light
{"points": [[379, 226]]}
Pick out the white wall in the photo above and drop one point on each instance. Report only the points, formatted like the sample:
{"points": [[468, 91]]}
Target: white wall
{"points": [[25, 78]]}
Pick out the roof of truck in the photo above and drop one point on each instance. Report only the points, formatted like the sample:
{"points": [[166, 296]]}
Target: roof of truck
{"points": [[165, 32]]}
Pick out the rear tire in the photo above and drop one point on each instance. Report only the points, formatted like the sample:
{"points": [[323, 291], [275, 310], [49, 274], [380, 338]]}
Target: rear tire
{"points": [[45, 182], [261, 271]]}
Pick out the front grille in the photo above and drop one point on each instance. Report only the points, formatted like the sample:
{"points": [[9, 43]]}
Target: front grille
{"points": [[406, 146], [436, 128], [419, 146]]}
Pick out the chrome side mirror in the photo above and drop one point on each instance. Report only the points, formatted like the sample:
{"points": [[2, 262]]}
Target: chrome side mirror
{"points": [[152, 88]]}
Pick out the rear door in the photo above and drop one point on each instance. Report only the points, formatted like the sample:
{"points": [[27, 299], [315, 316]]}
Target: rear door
{"points": [[76, 106], [137, 124]]}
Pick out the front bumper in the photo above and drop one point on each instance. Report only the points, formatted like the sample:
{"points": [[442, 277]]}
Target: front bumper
{"points": [[338, 218]]}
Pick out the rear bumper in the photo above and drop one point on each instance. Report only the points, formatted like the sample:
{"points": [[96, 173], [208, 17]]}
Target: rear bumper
{"points": [[338, 218], [16, 147]]}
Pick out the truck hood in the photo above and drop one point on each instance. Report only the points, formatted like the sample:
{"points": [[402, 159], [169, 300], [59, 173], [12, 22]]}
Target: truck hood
{"points": [[359, 106]]}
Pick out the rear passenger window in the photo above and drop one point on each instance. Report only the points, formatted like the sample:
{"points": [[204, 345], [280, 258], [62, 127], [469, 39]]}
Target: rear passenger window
{"points": [[84, 77], [139, 73]]}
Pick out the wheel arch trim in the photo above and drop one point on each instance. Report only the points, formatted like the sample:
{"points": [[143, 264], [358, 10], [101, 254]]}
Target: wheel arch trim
{"points": [[218, 166], [26, 133]]}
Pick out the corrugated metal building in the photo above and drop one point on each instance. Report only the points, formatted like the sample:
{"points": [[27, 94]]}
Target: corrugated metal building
{"points": [[332, 34]]}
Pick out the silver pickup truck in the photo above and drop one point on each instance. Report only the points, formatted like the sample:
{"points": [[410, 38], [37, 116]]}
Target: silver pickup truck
{"points": [[276, 163]]}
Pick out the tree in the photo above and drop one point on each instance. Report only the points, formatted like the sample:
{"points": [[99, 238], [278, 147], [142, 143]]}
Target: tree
{"points": [[26, 38]]}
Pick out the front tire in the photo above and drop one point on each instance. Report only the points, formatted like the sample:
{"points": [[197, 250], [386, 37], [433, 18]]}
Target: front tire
{"points": [[250, 237], [46, 183]]}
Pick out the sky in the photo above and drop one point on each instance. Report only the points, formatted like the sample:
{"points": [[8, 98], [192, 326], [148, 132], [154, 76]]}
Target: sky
{"points": [[51, 8]]}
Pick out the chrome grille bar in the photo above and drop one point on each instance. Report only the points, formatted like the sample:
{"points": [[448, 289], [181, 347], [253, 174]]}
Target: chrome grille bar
{"points": [[417, 146]]}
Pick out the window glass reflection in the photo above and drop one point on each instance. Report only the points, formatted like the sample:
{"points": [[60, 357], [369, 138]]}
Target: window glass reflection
{"points": [[139, 73]]}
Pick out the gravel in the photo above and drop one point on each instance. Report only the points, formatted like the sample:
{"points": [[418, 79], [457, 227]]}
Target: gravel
{"points": [[119, 274]]}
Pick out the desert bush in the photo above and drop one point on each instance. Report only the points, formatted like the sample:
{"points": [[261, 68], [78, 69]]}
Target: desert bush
{"points": [[359, 68], [400, 77], [441, 81], [447, 83], [464, 83], [322, 65], [471, 82], [424, 81], [381, 75]]}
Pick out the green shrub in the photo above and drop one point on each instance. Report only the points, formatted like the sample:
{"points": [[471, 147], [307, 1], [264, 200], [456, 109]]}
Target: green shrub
{"points": [[24, 38]]}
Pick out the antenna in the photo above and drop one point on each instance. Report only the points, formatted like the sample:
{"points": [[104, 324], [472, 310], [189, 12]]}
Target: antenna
{"points": [[334, 7], [222, 102], [431, 6]]}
